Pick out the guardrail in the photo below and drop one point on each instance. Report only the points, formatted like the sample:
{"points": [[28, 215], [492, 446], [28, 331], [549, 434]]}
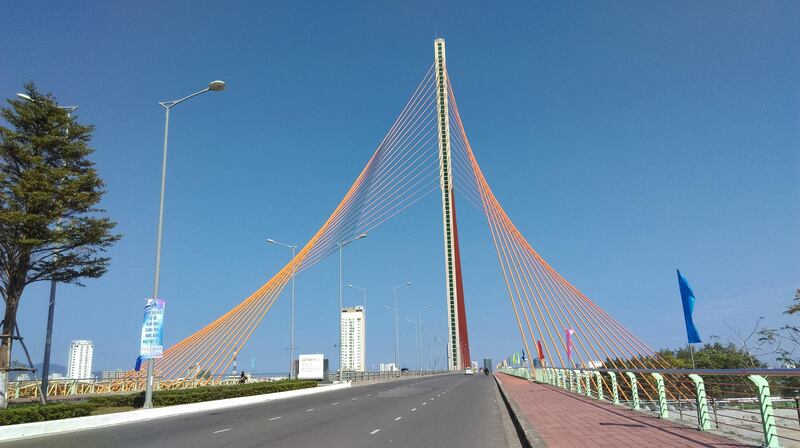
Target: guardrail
{"points": [[356, 377], [61, 387], [29, 389], [756, 404]]}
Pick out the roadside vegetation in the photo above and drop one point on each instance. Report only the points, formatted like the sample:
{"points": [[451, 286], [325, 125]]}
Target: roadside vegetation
{"points": [[34, 412]]}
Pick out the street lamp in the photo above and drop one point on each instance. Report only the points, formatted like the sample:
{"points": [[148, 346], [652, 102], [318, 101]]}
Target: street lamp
{"points": [[396, 325], [213, 86], [419, 334], [364, 291], [416, 337], [291, 331], [51, 308], [341, 244]]}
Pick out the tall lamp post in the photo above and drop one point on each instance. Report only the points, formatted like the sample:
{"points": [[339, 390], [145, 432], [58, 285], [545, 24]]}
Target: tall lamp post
{"points": [[341, 245], [416, 337], [364, 291], [291, 331], [396, 325], [213, 86], [419, 334], [51, 309]]}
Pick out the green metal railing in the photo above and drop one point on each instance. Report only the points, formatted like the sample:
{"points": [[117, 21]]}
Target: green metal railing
{"points": [[758, 405]]}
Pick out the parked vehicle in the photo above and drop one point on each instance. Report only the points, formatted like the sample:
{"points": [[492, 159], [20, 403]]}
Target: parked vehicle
{"points": [[469, 371]]}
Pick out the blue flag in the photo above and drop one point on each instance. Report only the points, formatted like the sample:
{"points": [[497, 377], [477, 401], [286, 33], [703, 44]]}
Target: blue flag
{"points": [[687, 298], [138, 365]]}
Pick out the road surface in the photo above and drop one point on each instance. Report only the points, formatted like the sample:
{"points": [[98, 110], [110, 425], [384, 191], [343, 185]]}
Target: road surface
{"points": [[443, 411]]}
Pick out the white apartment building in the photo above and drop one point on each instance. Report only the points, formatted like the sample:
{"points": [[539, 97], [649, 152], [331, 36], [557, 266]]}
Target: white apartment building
{"points": [[353, 339], [79, 362]]}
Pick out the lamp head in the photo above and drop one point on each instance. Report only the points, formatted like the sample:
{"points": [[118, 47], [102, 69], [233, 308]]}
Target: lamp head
{"points": [[25, 96], [216, 86], [270, 240]]}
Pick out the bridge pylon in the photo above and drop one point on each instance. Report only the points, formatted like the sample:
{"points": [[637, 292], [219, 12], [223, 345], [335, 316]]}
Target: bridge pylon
{"points": [[458, 339]]}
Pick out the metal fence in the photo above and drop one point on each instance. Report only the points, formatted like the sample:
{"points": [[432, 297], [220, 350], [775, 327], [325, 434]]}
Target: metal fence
{"points": [[760, 405], [29, 389]]}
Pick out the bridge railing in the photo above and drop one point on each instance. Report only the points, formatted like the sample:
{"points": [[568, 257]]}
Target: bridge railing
{"points": [[357, 377], [755, 404]]}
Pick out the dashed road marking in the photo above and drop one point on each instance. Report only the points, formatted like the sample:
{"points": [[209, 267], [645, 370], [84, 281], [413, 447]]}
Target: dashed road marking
{"points": [[334, 404], [413, 409], [310, 410], [222, 430], [274, 418], [375, 431], [398, 418], [354, 399], [425, 404]]}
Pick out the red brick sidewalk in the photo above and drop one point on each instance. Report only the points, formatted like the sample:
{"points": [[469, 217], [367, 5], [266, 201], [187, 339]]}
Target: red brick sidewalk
{"points": [[564, 419]]}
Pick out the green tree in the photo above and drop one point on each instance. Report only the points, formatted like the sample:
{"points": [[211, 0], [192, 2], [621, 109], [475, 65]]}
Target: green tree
{"points": [[785, 340], [50, 225]]}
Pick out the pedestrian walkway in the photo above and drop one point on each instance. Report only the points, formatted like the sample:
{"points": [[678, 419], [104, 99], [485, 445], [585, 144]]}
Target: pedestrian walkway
{"points": [[564, 419]]}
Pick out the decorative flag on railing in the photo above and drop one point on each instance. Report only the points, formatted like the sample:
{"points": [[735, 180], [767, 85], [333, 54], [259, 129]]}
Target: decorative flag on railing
{"points": [[687, 298], [523, 355], [541, 353], [569, 332]]}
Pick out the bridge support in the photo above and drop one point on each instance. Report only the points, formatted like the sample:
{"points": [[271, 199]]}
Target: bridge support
{"points": [[634, 391], [767, 417], [663, 411], [703, 420], [599, 378], [614, 388], [458, 347], [588, 376]]}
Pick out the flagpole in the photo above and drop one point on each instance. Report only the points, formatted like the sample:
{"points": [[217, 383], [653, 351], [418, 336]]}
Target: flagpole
{"points": [[691, 351]]}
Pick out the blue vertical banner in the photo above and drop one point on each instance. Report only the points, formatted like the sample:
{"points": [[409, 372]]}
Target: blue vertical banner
{"points": [[152, 345], [687, 298]]}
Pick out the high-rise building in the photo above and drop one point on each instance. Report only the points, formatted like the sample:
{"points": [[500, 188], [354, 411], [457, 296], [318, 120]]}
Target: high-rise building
{"points": [[353, 339], [79, 362]]}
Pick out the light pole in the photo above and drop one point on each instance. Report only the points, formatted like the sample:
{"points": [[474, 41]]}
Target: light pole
{"points": [[51, 308], [291, 331], [213, 86], [416, 337], [419, 334], [396, 325], [364, 291], [341, 244]]}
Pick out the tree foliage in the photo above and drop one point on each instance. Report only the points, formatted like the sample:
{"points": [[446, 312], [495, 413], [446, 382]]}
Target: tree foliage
{"points": [[50, 225]]}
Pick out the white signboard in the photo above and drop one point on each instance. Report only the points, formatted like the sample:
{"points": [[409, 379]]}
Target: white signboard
{"points": [[310, 367]]}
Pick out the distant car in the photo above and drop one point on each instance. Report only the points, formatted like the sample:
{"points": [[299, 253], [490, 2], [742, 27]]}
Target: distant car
{"points": [[404, 370], [469, 372]]}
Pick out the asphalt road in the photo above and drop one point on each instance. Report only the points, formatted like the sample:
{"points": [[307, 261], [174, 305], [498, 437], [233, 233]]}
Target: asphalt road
{"points": [[443, 411]]}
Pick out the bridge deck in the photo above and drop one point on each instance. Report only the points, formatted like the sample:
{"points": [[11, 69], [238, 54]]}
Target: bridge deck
{"points": [[564, 419]]}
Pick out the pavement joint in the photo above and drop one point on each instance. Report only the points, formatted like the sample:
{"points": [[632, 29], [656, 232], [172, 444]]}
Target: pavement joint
{"points": [[375, 431]]}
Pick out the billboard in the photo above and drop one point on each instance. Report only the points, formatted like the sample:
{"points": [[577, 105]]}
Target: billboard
{"points": [[311, 367], [152, 345]]}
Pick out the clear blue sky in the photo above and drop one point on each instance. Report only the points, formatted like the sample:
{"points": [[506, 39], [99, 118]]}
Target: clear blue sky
{"points": [[625, 139]]}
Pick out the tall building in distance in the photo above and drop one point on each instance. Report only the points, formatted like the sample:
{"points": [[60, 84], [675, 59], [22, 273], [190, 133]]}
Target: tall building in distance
{"points": [[353, 339], [79, 362]]}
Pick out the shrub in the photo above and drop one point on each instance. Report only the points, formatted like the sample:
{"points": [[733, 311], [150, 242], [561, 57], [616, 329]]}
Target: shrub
{"points": [[27, 414]]}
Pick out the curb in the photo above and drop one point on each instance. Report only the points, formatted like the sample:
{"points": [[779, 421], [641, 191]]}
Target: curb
{"points": [[527, 435], [14, 432]]}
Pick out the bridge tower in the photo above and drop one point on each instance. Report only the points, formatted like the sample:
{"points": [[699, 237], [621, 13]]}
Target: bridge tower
{"points": [[458, 340]]}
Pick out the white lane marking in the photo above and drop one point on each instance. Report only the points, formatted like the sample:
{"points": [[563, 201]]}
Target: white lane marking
{"points": [[334, 404], [274, 418], [413, 409], [424, 404], [310, 410], [369, 395], [375, 431], [398, 418], [222, 430], [354, 399]]}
